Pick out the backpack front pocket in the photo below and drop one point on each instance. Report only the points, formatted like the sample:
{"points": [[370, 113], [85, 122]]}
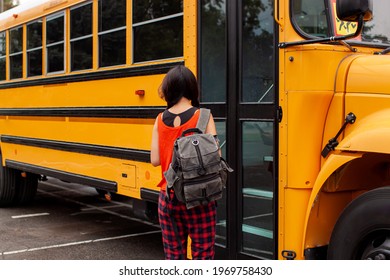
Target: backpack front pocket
{"points": [[201, 192]]}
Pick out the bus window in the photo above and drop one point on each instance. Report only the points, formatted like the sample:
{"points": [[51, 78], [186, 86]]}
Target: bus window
{"points": [[34, 49], [258, 49], [157, 30], [2, 56], [16, 53], [220, 237], [213, 51], [81, 37], [112, 32], [374, 31], [377, 31], [55, 43], [257, 191], [310, 17]]}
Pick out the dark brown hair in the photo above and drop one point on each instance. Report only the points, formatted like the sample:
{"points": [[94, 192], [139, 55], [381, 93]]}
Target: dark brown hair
{"points": [[179, 82]]}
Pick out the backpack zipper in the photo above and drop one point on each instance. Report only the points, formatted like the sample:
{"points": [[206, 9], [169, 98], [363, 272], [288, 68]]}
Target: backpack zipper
{"points": [[206, 178], [201, 170]]}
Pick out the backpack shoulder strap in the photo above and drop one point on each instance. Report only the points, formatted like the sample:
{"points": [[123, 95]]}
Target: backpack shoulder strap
{"points": [[203, 119]]}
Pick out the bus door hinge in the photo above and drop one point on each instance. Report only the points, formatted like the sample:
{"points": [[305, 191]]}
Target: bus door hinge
{"points": [[289, 255], [279, 114], [332, 143]]}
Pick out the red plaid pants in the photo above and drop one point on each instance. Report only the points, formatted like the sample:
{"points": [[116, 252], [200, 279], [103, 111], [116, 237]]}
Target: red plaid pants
{"points": [[198, 223]]}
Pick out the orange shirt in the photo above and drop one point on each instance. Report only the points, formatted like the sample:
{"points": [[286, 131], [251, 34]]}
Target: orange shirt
{"points": [[166, 139]]}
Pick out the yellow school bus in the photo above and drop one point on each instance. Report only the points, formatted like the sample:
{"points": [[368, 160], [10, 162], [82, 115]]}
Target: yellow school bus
{"points": [[299, 90]]}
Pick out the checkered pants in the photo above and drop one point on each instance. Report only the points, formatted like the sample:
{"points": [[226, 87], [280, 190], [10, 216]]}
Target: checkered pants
{"points": [[198, 223]]}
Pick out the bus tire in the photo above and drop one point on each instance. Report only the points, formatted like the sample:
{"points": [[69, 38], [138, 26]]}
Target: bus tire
{"points": [[363, 229], [26, 188], [7, 185]]}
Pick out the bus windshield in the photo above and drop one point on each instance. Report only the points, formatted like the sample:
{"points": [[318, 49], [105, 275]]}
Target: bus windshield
{"points": [[377, 30], [311, 19]]}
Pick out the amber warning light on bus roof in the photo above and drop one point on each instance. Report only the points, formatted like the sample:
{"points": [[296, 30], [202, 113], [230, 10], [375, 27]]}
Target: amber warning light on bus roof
{"points": [[140, 92]]}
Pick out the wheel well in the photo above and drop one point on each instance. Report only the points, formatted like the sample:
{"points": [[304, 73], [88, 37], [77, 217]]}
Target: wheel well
{"points": [[371, 171], [348, 182]]}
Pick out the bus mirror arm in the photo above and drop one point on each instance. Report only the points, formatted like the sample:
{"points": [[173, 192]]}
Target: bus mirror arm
{"points": [[332, 143], [329, 39]]}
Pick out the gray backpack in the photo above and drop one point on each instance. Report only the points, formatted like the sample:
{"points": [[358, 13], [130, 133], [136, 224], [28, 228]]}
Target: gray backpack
{"points": [[197, 173]]}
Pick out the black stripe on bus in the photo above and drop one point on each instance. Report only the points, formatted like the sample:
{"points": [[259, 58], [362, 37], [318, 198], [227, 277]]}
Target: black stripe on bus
{"points": [[92, 112], [95, 75], [106, 185], [149, 195], [97, 150]]}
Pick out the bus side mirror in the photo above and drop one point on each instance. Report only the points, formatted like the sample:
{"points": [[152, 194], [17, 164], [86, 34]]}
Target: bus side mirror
{"points": [[351, 10]]}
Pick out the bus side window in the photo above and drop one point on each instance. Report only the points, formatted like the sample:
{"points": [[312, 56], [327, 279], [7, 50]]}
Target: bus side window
{"points": [[16, 52], [81, 37], [310, 17], [2, 56], [157, 30], [112, 32], [34, 48], [55, 42]]}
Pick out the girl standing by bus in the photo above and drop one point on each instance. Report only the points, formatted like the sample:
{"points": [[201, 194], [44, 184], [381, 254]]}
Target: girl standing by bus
{"points": [[181, 92]]}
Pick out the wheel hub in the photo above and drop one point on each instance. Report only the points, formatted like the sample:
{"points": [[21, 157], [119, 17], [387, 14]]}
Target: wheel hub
{"points": [[378, 248]]}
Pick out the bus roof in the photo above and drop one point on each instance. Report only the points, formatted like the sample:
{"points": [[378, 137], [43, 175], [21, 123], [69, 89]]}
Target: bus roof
{"points": [[31, 10]]}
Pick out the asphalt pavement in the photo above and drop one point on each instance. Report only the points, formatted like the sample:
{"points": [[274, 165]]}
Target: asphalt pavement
{"points": [[72, 222]]}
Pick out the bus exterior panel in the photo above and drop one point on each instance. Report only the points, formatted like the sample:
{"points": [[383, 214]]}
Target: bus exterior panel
{"points": [[299, 96], [331, 188], [91, 126]]}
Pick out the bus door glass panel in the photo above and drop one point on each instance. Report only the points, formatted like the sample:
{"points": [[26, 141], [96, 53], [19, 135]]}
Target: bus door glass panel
{"points": [[2, 56], [257, 134], [257, 188], [16, 53], [81, 37], [112, 32], [34, 48], [55, 50], [220, 238], [213, 48], [213, 82], [257, 52]]}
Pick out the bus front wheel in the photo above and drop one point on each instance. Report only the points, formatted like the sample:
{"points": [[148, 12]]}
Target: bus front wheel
{"points": [[363, 229]]}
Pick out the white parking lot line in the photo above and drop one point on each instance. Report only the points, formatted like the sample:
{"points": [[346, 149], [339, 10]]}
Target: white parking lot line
{"points": [[90, 206], [79, 243], [29, 215]]}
